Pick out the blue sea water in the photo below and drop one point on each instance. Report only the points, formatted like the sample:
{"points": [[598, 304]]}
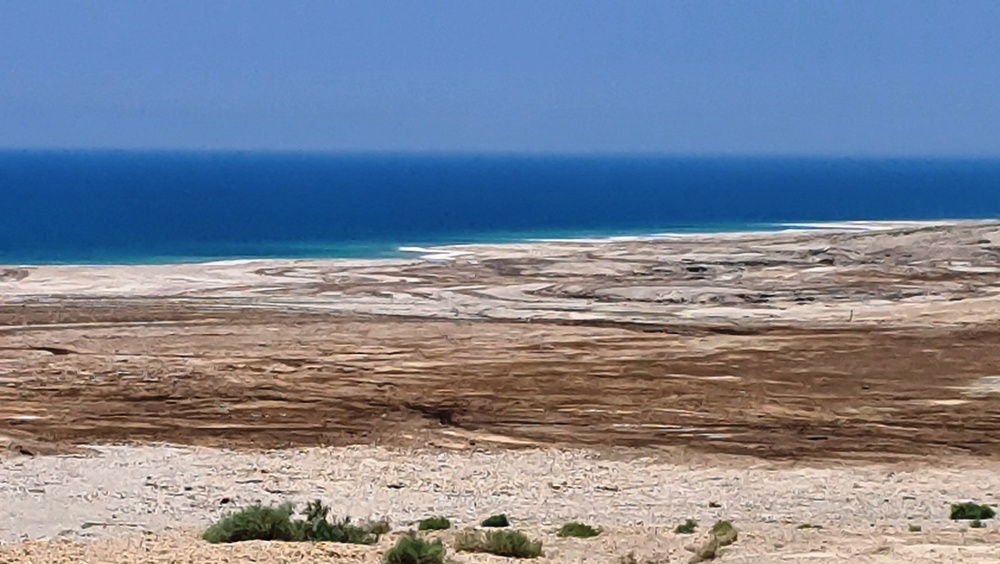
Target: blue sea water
{"points": [[139, 207]]}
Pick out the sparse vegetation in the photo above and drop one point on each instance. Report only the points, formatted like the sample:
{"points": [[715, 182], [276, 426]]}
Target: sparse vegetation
{"points": [[379, 528], [915, 528], [512, 544], [434, 524], [578, 530], [809, 526], [725, 532], [971, 510], [976, 524], [412, 549], [707, 551], [259, 522], [686, 528], [256, 522], [496, 521]]}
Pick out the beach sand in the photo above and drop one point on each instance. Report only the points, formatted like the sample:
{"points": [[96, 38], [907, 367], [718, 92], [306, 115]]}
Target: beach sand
{"points": [[847, 378]]}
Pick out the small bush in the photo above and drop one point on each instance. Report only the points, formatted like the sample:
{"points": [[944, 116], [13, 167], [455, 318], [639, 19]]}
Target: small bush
{"points": [[414, 550], [725, 532], [338, 531], [379, 528], [708, 550], [809, 526], [977, 524], [687, 527], [512, 544], [256, 522], [316, 511], [469, 541], [434, 524], [496, 521], [317, 528], [276, 524], [915, 528], [970, 510], [722, 534], [578, 530]]}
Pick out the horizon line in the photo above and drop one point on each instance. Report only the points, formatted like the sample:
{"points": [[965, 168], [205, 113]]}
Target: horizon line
{"points": [[507, 153]]}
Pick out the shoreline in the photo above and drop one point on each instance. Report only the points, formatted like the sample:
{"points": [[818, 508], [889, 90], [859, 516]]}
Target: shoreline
{"points": [[706, 332], [792, 278], [842, 378], [441, 251]]}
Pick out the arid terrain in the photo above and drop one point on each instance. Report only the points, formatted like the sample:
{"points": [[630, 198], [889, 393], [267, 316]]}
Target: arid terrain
{"points": [[868, 346]]}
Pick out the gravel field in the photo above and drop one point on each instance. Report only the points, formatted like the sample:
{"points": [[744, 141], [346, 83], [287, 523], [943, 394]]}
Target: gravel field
{"points": [[148, 503]]}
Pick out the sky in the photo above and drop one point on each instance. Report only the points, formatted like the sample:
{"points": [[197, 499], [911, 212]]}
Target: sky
{"points": [[871, 77]]}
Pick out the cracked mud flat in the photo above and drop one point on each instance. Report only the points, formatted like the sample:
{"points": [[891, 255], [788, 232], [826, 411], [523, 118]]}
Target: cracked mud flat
{"points": [[866, 346]]}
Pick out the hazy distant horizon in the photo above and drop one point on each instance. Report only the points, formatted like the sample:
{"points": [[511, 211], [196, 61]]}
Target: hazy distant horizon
{"points": [[507, 154]]}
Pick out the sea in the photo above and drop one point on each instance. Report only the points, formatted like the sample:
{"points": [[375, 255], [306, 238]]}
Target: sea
{"points": [[128, 207]]}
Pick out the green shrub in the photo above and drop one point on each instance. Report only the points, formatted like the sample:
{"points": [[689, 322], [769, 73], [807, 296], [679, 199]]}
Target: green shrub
{"points": [[915, 528], [317, 528], [379, 528], [434, 524], [687, 527], [708, 550], [256, 522], [496, 521], [338, 531], [412, 549], [725, 532], [970, 510], [316, 511], [469, 541], [512, 544], [276, 524], [809, 526], [977, 524], [578, 530]]}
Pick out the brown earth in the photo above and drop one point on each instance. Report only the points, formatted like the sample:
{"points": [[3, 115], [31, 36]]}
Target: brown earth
{"points": [[876, 344]]}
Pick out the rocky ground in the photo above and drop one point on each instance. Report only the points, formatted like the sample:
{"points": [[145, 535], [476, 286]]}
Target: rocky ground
{"points": [[148, 504], [848, 379]]}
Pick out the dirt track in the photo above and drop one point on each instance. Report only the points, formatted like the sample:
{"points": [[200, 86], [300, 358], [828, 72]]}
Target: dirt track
{"points": [[865, 345]]}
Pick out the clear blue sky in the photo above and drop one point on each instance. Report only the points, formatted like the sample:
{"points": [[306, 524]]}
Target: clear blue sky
{"points": [[905, 77]]}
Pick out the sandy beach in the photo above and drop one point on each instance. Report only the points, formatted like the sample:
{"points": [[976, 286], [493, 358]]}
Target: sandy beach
{"points": [[845, 377]]}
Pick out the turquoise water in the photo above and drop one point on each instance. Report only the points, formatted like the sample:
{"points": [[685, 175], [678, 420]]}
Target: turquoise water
{"points": [[139, 207]]}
